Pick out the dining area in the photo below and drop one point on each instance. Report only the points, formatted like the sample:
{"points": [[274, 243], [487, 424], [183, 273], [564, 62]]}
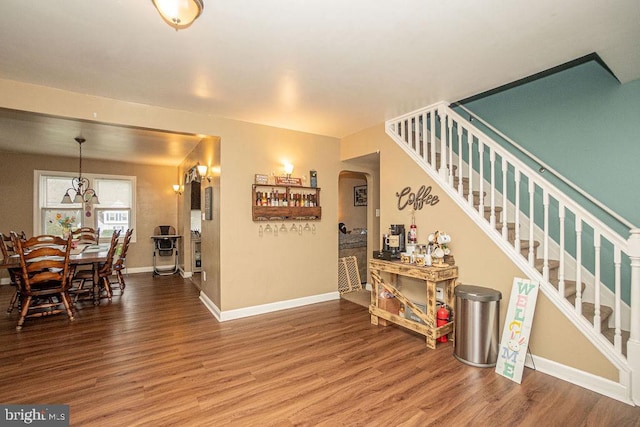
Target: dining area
{"points": [[59, 275]]}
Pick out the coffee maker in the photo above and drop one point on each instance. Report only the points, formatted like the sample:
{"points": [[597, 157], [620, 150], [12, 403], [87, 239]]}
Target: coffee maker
{"points": [[393, 243]]}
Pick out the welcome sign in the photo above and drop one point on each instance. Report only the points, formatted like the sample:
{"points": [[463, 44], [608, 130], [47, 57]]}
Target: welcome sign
{"points": [[517, 329]]}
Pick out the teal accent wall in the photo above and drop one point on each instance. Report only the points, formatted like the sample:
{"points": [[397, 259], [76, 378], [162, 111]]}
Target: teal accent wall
{"points": [[584, 124]]}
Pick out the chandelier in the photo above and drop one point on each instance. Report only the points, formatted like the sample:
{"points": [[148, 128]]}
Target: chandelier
{"points": [[80, 185], [179, 14]]}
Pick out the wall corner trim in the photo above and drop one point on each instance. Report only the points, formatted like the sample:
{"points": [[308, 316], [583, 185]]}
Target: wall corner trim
{"points": [[255, 310]]}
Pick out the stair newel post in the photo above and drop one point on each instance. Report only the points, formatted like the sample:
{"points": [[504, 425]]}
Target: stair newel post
{"points": [[633, 345]]}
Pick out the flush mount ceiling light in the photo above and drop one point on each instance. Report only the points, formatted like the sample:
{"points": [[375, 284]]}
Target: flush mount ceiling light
{"points": [[179, 14], [80, 185]]}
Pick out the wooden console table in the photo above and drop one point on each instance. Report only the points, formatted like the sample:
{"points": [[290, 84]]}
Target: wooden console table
{"points": [[445, 277]]}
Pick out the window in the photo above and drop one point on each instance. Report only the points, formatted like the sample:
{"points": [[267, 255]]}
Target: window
{"points": [[116, 202], [116, 210]]}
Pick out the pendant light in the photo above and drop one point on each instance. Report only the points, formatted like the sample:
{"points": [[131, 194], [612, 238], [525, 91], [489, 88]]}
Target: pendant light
{"points": [[80, 185], [179, 14]]}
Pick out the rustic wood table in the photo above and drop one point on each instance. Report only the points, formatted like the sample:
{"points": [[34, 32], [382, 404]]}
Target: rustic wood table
{"points": [[444, 277]]}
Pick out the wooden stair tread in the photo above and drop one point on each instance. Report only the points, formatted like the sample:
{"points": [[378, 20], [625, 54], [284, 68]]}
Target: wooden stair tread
{"points": [[570, 287], [609, 333], [589, 312], [553, 264]]}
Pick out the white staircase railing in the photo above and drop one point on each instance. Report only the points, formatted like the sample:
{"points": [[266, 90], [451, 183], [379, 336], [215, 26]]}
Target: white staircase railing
{"points": [[589, 271]]}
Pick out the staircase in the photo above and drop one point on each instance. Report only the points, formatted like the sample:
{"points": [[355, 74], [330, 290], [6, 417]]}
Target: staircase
{"points": [[588, 270]]}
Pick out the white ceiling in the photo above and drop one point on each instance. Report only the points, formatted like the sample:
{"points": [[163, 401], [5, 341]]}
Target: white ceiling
{"points": [[330, 67]]}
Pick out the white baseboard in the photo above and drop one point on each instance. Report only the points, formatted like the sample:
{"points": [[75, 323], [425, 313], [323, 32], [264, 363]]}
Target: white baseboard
{"points": [[255, 310], [583, 379]]}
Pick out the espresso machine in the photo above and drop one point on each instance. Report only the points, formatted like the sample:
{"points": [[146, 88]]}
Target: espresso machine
{"points": [[393, 243]]}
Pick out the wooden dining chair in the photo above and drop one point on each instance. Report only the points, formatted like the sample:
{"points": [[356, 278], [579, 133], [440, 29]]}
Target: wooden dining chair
{"points": [[44, 276], [119, 264], [8, 249], [86, 235], [105, 270]]}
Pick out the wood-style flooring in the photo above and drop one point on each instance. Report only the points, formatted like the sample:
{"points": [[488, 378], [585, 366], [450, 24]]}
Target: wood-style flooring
{"points": [[155, 356]]}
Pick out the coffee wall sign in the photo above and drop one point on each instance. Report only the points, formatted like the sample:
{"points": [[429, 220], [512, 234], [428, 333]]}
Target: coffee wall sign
{"points": [[418, 199]]}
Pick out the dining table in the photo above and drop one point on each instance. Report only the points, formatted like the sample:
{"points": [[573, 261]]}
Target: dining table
{"points": [[83, 254]]}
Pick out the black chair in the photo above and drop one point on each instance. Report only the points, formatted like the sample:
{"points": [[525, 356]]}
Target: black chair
{"points": [[165, 245]]}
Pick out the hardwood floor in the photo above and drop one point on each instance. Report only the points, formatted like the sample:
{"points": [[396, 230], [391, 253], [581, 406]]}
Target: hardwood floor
{"points": [[156, 356]]}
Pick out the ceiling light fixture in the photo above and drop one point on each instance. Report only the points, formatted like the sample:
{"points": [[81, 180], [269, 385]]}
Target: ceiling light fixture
{"points": [[88, 195], [179, 14]]}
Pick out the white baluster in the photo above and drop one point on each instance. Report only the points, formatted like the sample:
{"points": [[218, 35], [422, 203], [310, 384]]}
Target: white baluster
{"points": [[516, 213], [443, 143], [414, 133], [492, 188], [460, 174], [531, 221], [617, 336], [470, 172], [432, 142], [424, 141], [596, 285], [578, 265], [505, 172], [481, 176], [545, 258], [561, 283], [450, 150]]}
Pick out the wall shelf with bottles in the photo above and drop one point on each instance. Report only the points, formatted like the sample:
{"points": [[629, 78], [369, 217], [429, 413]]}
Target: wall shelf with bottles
{"points": [[285, 202]]}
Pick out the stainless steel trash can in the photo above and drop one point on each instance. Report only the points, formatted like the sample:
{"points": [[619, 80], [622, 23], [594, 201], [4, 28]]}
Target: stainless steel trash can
{"points": [[477, 311]]}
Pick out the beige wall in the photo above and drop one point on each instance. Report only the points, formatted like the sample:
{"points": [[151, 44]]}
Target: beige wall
{"points": [[480, 262], [153, 190], [270, 269]]}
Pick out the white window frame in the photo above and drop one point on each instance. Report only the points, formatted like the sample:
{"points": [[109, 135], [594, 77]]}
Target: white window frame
{"points": [[38, 197]]}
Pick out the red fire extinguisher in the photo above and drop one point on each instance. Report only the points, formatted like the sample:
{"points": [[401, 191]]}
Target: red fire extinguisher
{"points": [[442, 319]]}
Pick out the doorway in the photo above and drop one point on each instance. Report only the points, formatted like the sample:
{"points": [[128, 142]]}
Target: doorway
{"points": [[352, 229]]}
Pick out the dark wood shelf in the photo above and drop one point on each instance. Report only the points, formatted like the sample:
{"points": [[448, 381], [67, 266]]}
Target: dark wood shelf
{"points": [[267, 213]]}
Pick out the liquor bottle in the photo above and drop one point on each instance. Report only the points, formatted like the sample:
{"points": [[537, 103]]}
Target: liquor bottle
{"points": [[258, 200]]}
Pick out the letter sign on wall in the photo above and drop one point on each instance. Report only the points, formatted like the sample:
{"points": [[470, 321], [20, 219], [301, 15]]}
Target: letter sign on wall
{"points": [[417, 200], [517, 329]]}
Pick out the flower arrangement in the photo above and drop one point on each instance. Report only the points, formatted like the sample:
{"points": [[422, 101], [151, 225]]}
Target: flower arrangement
{"points": [[65, 221]]}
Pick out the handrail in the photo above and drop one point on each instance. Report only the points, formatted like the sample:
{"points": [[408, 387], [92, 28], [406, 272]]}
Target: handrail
{"points": [[548, 168]]}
